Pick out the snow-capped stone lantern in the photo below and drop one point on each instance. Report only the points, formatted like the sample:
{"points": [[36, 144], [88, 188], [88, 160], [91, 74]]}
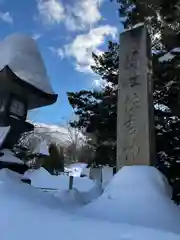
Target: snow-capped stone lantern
{"points": [[24, 84]]}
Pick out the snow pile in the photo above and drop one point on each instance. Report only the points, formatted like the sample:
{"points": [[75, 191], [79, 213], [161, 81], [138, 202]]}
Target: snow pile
{"points": [[137, 195], [9, 157], [35, 175], [70, 198], [12, 186], [3, 134], [92, 194], [21, 54], [8, 175], [27, 213], [41, 178]]}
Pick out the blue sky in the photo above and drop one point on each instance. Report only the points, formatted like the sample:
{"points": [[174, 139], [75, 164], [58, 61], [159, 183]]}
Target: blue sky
{"points": [[66, 31]]}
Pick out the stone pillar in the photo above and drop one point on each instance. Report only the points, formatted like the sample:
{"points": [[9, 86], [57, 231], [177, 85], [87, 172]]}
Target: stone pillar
{"points": [[135, 122], [96, 174]]}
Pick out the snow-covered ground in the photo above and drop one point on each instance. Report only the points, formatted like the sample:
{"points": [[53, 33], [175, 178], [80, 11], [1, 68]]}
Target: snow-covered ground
{"points": [[9, 156], [135, 205], [41, 178], [137, 195]]}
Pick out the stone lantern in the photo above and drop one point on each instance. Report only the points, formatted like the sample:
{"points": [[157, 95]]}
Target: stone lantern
{"points": [[24, 84]]}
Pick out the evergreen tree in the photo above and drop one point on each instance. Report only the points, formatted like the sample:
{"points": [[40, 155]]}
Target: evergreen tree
{"points": [[55, 162], [97, 109]]}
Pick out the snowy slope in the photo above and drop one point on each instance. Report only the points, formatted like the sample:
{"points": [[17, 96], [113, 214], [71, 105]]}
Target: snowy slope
{"points": [[59, 134], [26, 213], [88, 189], [21, 54], [137, 195], [54, 133]]}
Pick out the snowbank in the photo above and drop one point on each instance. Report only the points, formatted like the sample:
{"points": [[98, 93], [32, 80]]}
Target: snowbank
{"points": [[70, 198], [92, 194], [11, 185], [43, 179], [27, 213], [8, 175], [9, 157], [40, 173], [3, 134], [137, 195]]}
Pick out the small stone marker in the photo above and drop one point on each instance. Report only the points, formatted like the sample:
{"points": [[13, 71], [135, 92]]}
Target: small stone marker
{"points": [[71, 178], [135, 122]]}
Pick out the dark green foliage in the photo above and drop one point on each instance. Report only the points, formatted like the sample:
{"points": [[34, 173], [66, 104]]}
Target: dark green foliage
{"points": [[55, 162], [97, 110]]}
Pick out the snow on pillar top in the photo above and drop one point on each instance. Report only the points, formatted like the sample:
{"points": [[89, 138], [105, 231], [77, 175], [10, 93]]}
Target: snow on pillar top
{"points": [[20, 53]]}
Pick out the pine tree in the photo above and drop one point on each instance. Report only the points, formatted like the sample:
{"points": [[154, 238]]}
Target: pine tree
{"points": [[97, 109], [54, 162]]}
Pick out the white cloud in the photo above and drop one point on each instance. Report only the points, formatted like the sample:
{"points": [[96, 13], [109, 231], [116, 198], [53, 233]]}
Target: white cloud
{"points": [[6, 17], [83, 45], [83, 14], [51, 11], [57, 51], [79, 15], [36, 36]]}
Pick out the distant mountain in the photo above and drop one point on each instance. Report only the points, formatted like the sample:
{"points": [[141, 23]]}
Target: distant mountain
{"points": [[61, 135]]}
